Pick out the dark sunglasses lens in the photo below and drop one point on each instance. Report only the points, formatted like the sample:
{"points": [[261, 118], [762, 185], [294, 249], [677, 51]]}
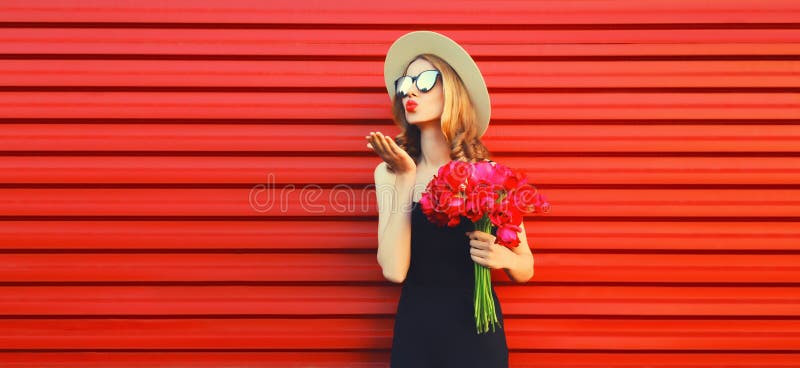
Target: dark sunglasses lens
{"points": [[402, 85], [427, 80]]}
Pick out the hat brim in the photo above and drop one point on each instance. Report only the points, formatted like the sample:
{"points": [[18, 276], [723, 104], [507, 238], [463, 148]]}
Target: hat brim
{"points": [[426, 42]]}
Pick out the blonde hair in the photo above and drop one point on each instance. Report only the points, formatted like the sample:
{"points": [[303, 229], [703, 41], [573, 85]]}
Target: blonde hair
{"points": [[459, 120]]}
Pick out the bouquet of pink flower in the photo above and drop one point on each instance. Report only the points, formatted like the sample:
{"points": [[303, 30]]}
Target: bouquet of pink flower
{"points": [[491, 196]]}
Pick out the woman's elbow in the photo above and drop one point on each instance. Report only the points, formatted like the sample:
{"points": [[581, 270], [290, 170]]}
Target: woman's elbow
{"points": [[394, 277], [528, 275], [532, 271]]}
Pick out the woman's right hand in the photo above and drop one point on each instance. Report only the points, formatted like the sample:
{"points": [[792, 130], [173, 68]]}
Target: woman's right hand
{"points": [[396, 157]]}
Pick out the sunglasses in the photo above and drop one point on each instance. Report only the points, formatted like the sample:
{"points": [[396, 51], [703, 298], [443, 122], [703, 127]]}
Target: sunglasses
{"points": [[424, 81]]}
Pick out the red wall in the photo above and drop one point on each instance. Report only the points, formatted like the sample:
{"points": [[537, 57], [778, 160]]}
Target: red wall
{"points": [[666, 135]]}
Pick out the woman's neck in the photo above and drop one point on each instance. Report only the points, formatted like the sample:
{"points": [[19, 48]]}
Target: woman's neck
{"points": [[434, 146]]}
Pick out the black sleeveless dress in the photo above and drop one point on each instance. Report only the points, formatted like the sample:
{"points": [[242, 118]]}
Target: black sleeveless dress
{"points": [[435, 324]]}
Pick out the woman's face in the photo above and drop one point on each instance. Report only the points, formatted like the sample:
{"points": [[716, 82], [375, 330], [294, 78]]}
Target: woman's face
{"points": [[430, 104]]}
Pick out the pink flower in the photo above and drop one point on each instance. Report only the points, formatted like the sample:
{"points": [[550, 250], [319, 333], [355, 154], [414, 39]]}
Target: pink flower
{"points": [[507, 235]]}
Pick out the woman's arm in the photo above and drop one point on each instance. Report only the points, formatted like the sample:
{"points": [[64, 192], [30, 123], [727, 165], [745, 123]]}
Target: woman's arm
{"points": [[394, 222], [519, 267]]}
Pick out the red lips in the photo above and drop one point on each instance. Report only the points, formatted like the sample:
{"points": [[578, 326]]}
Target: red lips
{"points": [[411, 106]]}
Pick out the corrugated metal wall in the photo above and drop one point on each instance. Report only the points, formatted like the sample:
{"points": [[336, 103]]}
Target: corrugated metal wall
{"points": [[135, 136]]}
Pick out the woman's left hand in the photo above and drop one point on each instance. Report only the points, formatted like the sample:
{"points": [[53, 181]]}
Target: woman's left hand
{"points": [[486, 252]]}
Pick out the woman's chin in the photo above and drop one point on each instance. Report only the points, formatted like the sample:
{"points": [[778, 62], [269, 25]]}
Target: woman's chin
{"points": [[420, 121]]}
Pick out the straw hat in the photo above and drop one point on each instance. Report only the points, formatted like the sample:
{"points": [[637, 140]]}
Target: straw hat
{"points": [[426, 42]]}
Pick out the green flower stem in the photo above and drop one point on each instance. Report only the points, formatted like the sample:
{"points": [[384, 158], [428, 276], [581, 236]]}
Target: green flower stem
{"points": [[485, 314]]}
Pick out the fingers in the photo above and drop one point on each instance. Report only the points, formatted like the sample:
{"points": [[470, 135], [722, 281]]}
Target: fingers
{"points": [[483, 261], [482, 253], [384, 146], [369, 142], [480, 248], [482, 236], [477, 252], [381, 143], [480, 245], [392, 145], [376, 143]]}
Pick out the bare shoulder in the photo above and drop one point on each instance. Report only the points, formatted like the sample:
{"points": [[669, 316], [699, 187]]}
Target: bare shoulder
{"points": [[382, 174]]}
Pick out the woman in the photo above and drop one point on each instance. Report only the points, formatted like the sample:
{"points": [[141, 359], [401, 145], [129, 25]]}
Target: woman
{"points": [[441, 103]]}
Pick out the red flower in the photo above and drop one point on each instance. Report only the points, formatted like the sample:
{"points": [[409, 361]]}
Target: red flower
{"points": [[455, 174], [501, 217], [514, 180], [480, 201], [454, 210]]}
